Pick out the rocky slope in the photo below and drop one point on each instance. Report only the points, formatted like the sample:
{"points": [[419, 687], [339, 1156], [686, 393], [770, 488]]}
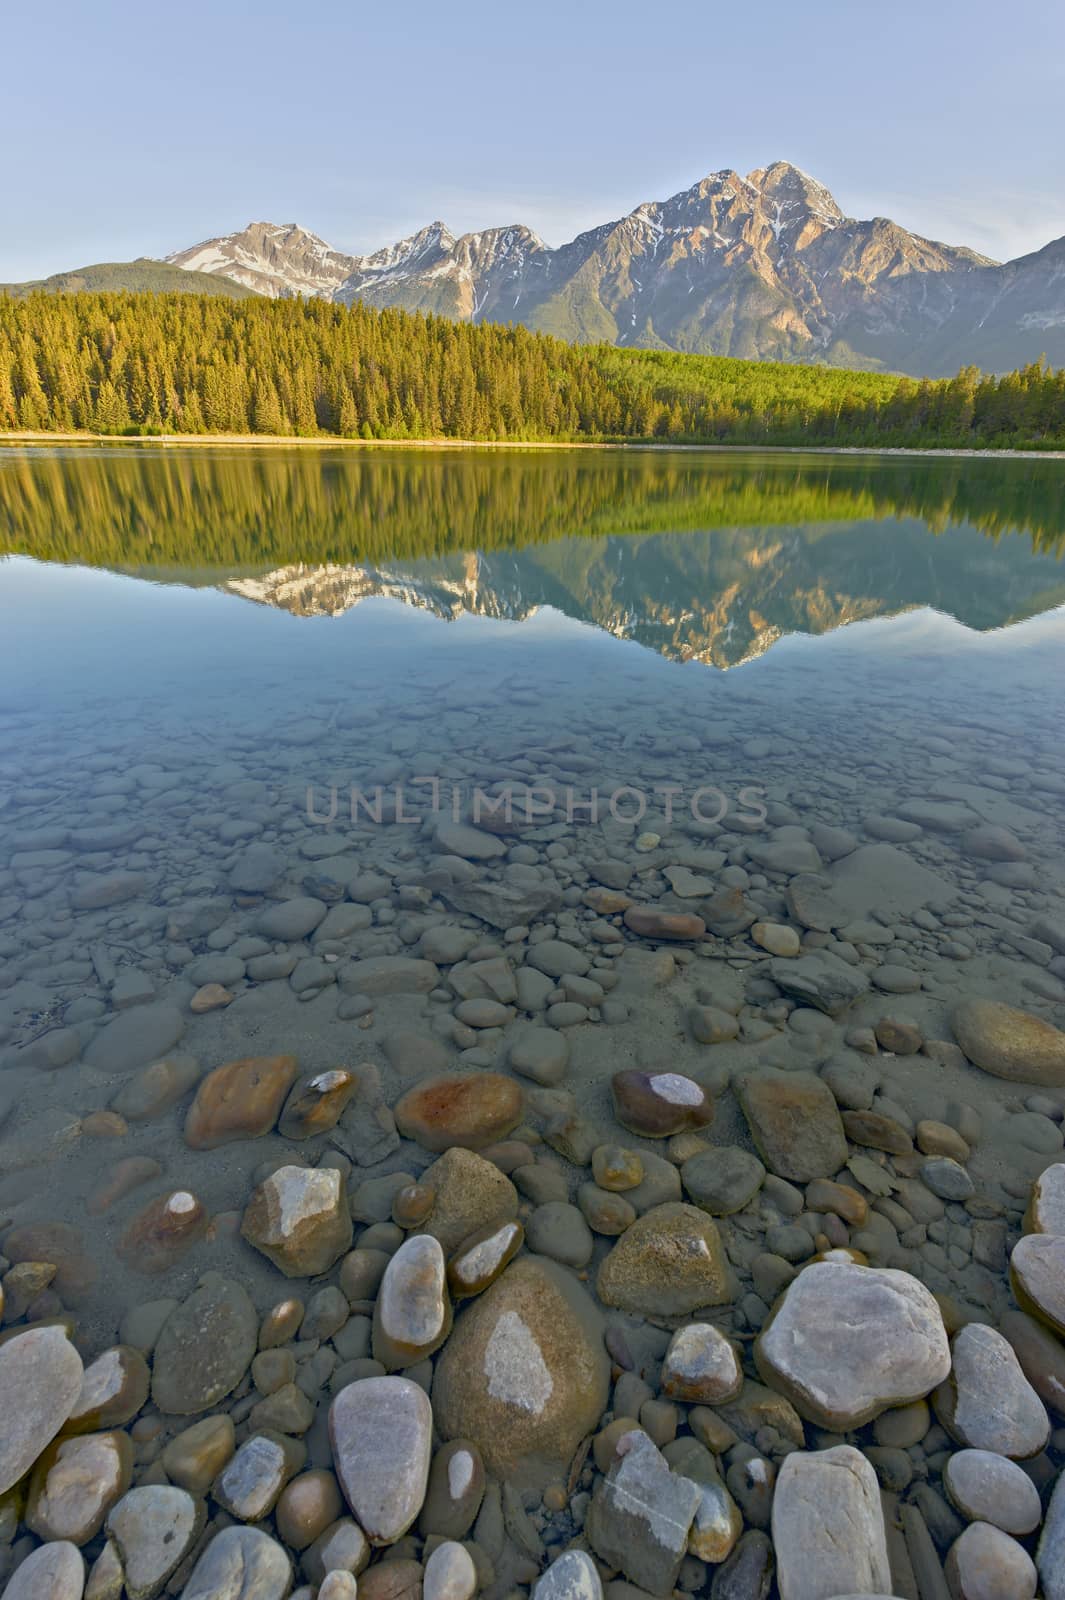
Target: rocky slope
{"points": [[765, 266], [273, 259]]}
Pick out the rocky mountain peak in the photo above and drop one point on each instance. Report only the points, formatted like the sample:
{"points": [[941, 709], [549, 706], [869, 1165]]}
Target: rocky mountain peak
{"points": [[272, 258], [766, 266]]}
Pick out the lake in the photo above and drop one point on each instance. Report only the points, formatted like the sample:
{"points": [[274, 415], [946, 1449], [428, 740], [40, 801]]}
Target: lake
{"points": [[329, 774]]}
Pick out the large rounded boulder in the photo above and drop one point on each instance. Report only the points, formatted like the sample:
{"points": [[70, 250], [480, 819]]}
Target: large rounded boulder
{"points": [[525, 1375]]}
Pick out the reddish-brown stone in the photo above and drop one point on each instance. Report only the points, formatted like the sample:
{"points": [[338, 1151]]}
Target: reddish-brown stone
{"points": [[240, 1100]]}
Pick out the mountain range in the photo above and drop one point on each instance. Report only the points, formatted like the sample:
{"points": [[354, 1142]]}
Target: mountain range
{"points": [[722, 598], [766, 267]]}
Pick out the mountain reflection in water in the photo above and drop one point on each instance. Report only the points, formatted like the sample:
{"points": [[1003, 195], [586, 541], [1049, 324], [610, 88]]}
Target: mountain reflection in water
{"points": [[695, 555]]}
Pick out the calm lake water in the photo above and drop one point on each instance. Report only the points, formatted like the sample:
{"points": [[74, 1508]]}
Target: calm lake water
{"points": [[251, 700]]}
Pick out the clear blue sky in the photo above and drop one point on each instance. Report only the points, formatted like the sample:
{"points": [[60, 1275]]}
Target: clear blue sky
{"points": [[137, 129]]}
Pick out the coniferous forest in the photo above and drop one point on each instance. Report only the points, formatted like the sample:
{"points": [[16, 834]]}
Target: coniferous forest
{"points": [[127, 364]]}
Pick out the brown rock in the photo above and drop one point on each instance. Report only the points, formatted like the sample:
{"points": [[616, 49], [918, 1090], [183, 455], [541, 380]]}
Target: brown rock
{"points": [[197, 1455], [824, 1195], [795, 1124], [898, 1038], [308, 1505], [524, 1375], [163, 1232], [669, 1263], [104, 1125], [209, 997], [471, 1194], [657, 1105], [392, 1580], [299, 1218], [1010, 1044], [940, 1139], [316, 1103], [649, 923], [75, 1484], [61, 1245], [240, 1100], [480, 1259], [122, 1179], [877, 1132], [467, 1109], [113, 1390], [727, 913]]}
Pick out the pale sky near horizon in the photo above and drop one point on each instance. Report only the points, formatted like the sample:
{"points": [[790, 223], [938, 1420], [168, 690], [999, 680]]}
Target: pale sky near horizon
{"points": [[133, 130]]}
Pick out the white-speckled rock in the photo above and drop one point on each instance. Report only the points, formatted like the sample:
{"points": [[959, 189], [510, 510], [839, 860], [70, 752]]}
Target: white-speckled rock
{"points": [[240, 1564], [299, 1218], [40, 1380], [574, 1576], [1050, 1556], [1046, 1206], [381, 1432], [986, 1487], [340, 1586], [154, 1528], [641, 1515], [828, 1526], [449, 1573], [701, 1366], [986, 1564], [524, 1375], [52, 1572], [987, 1402], [412, 1313], [1037, 1277], [845, 1342]]}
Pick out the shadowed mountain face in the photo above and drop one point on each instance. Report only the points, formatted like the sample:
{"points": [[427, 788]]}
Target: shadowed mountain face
{"points": [[708, 557], [765, 266]]}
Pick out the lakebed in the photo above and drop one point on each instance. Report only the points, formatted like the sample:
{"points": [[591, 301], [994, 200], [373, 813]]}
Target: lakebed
{"points": [[436, 974]]}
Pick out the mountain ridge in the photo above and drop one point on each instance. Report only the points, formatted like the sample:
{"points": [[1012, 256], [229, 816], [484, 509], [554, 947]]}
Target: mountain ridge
{"points": [[763, 266]]}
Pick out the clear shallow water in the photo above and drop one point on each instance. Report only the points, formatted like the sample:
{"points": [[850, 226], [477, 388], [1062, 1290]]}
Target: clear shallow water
{"points": [[194, 639]]}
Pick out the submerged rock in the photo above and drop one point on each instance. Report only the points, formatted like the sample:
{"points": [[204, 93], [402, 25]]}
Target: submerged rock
{"points": [[524, 1375], [299, 1218], [1010, 1044], [846, 1342], [468, 1109], [828, 1527], [657, 1105], [668, 1263], [40, 1381], [641, 1515], [163, 1232], [241, 1100], [240, 1564], [381, 1433], [795, 1124], [205, 1347]]}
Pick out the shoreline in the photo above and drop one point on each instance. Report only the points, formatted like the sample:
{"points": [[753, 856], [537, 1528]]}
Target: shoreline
{"points": [[275, 441]]}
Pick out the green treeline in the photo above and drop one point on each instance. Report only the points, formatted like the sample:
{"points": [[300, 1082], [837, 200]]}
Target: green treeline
{"points": [[247, 510], [183, 363]]}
